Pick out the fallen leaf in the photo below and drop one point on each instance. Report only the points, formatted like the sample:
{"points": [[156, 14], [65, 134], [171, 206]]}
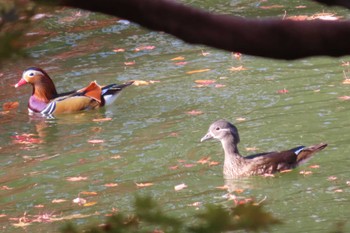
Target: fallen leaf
{"points": [[346, 81], [4, 187], [240, 119], [141, 185], [10, 105], [196, 204], [283, 91], [271, 7], [332, 178], [88, 193], [213, 163], [39, 206], [115, 157], [110, 185], [205, 53], [204, 160], [315, 166], [102, 119], [238, 68], [251, 148], [286, 171], [180, 187], [344, 97], [173, 167], [205, 81], [268, 175], [188, 165], [140, 83], [146, 47], [220, 85], [90, 203], [181, 63], [129, 63], [118, 50], [338, 191], [95, 141], [58, 200], [238, 191], [76, 178], [194, 112], [180, 58], [305, 173], [197, 71], [2, 215], [345, 63], [26, 139]]}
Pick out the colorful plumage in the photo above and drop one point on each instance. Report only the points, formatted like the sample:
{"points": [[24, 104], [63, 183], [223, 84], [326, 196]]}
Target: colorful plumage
{"points": [[236, 165], [47, 101]]}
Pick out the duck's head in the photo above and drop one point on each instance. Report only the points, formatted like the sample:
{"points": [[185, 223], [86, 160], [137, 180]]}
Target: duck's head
{"points": [[34, 76], [222, 130], [40, 81]]}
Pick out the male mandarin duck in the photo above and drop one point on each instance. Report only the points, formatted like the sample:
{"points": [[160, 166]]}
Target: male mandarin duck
{"points": [[236, 165], [47, 101]]}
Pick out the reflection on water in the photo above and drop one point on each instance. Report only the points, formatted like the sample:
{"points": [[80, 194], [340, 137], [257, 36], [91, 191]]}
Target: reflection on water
{"points": [[151, 142]]}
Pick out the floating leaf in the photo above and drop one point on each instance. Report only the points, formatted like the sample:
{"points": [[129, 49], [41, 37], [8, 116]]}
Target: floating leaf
{"points": [[196, 204], [3, 215], [178, 58], [88, 193], [26, 139], [95, 141], [338, 190], [345, 97], [39, 206], [241, 119], [188, 165], [251, 148], [194, 112], [181, 63], [146, 47], [58, 200], [224, 187], [90, 203], [118, 50], [110, 185], [213, 163], [129, 63], [238, 68], [346, 81], [141, 185], [205, 53], [305, 173], [102, 119], [286, 170], [220, 85], [180, 187], [205, 82], [10, 105], [173, 167], [315, 166], [204, 160], [4, 187], [76, 178], [115, 157], [332, 178], [197, 71], [283, 91]]}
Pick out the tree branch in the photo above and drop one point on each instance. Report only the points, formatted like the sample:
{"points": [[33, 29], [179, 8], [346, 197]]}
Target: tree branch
{"points": [[272, 38]]}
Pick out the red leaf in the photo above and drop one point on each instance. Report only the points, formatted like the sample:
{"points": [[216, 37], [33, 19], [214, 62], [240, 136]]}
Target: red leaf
{"points": [[283, 91], [10, 105]]}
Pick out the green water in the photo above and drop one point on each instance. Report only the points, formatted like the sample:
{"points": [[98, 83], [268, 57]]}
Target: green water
{"points": [[151, 138]]}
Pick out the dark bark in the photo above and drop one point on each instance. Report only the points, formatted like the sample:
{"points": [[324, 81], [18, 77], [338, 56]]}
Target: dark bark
{"points": [[343, 3], [272, 38]]}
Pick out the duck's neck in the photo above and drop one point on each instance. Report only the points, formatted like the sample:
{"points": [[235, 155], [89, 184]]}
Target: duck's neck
{"points": [[45, 91], [234, 162]]}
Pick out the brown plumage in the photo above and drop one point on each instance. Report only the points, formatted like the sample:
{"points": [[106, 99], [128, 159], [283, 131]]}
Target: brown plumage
{"points": [[47, 101], [236, 165]]}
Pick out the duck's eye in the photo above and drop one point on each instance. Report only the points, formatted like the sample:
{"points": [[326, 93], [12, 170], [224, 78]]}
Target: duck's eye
{"points": [[217, 128], [31, 74]]}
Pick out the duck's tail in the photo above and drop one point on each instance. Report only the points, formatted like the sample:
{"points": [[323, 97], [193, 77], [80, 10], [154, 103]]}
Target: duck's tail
{"points": [[112, 91], [305, 153]]}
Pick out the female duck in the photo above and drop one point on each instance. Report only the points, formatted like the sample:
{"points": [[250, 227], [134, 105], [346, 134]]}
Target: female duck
{"points": [[47, 101], [236, 165]]}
